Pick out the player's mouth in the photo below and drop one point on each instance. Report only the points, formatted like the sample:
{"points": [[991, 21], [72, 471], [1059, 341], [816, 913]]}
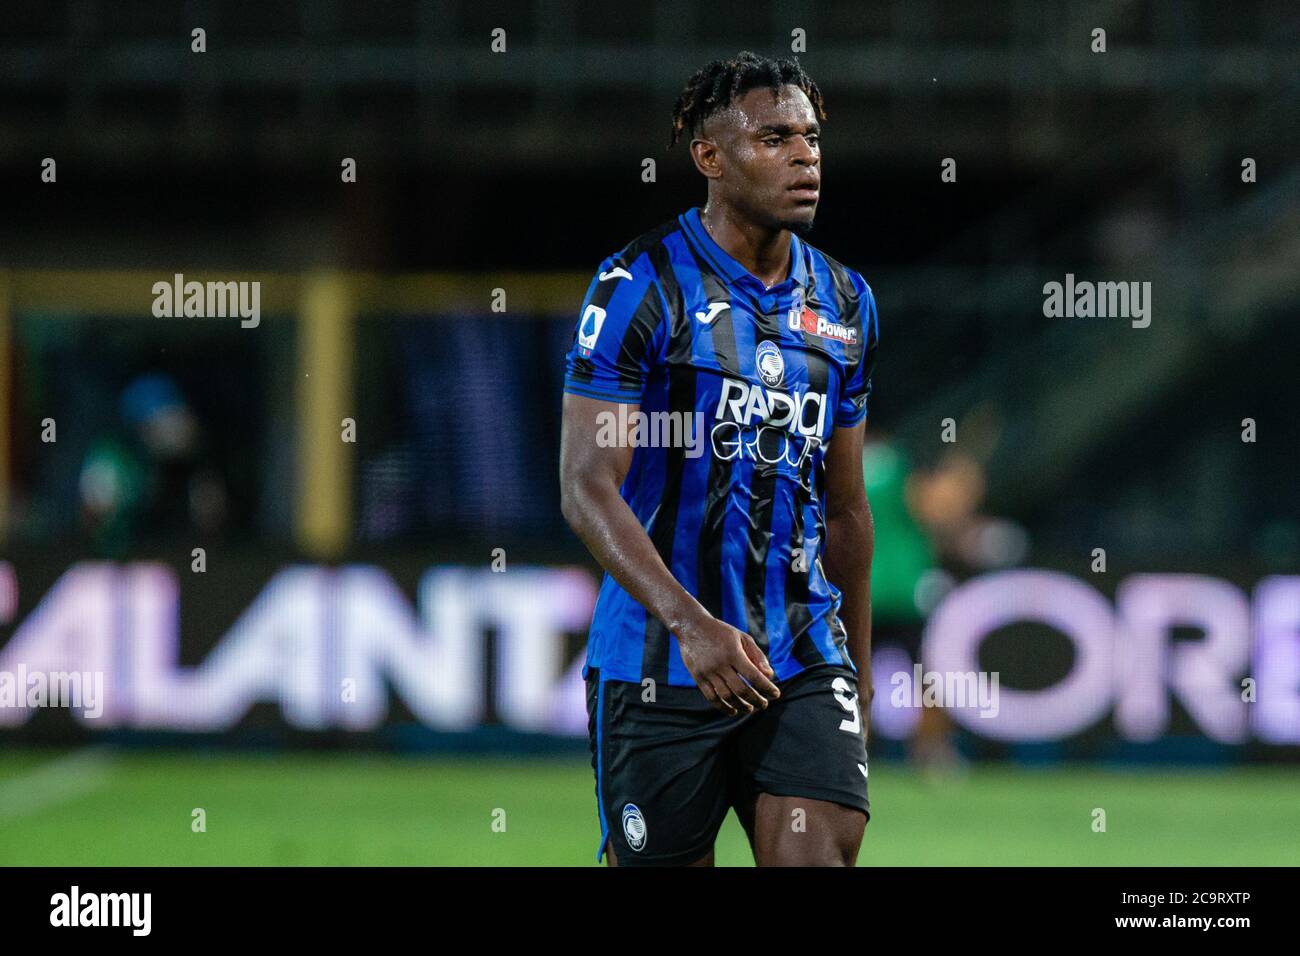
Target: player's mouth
{"points": [[807, 190]]}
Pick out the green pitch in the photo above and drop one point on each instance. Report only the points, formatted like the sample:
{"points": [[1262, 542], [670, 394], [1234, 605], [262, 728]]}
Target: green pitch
{"points": [[101, 807]]}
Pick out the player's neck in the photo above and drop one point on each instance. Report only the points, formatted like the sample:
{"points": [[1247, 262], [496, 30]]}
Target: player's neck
{"points": [[764, 252]]}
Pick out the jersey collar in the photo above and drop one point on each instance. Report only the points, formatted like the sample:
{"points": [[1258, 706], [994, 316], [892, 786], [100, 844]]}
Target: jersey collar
{"points": [[733, 271]]}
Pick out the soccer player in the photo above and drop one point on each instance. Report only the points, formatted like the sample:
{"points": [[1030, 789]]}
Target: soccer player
{"points": [[731, 642]]}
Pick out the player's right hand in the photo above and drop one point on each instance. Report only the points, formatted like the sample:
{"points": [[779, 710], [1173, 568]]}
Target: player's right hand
{"points": [[728, 667]]}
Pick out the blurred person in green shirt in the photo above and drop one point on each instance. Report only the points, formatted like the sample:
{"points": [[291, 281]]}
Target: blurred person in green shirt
{"points": [[903, 561]]}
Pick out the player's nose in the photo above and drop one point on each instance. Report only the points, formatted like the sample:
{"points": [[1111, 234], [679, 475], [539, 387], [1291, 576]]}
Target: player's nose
{"points": [[803, 154]]}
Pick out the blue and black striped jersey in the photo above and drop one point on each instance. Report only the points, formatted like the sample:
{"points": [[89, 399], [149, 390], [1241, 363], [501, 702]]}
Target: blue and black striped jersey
{"points": [[739, 388]]}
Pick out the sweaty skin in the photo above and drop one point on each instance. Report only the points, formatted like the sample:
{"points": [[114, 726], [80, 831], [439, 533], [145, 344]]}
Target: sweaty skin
{"points": [[754, 155]]}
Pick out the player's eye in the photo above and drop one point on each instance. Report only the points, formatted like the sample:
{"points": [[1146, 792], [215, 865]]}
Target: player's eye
{"points": [[772, 141], [813, 141]]}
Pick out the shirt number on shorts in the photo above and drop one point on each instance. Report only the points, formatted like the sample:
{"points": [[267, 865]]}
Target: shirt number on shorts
{"points": [[847, 698]]}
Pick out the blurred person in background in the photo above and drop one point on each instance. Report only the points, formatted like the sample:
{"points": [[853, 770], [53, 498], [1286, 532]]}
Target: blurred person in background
{"points": [[946, 499], [930, 533], [146, 475], [902, 568]]}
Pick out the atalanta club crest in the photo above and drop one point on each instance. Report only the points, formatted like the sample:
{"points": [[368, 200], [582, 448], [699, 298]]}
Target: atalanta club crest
{"points": [[770, 364], [634, 826]]}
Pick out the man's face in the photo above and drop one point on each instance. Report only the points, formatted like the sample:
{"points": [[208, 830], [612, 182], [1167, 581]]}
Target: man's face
{"points": [[768, 158]]}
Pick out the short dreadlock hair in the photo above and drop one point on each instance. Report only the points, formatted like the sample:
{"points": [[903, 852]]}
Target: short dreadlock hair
{"points": [[714, 87]]}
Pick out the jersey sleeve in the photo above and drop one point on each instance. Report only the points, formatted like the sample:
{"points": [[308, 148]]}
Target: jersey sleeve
{"points": [[619, 332], [852, 407]]}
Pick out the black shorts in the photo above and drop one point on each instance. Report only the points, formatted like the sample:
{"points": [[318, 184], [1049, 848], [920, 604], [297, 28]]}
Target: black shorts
{"points": [[668, 770]]}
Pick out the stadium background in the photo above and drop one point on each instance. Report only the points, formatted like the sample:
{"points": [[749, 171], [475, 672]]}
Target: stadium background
{"points": [[427, 562]]}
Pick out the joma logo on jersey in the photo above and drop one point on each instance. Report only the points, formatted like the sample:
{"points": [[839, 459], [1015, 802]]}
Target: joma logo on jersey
{"points": [[801, 413], [812, 323]]}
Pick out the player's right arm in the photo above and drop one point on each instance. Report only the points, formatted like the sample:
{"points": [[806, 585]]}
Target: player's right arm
{"points": [[723, 661], [607, 367]]}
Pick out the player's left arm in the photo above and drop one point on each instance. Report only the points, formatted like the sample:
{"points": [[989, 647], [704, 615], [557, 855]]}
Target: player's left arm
{"points": [[850, 541], [850, 533]]}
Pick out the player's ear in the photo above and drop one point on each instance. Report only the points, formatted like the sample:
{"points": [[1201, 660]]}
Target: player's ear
{"points": [[707, 157]]}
